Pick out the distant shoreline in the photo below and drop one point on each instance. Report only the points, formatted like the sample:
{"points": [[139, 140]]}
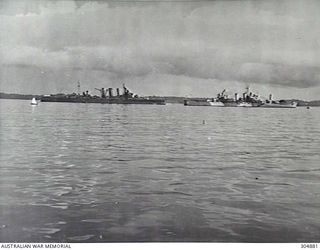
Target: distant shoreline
{"points": [[168, 99]]}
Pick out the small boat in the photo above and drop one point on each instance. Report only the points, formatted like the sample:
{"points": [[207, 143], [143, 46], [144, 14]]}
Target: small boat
{"points": [[34, 101], [245, 104]]}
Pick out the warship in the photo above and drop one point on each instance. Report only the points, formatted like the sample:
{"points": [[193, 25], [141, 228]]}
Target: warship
{"points": [[106, 97], [247, 100]]}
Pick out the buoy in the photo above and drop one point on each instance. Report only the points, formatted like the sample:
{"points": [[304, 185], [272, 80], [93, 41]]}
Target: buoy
{"points": [[203, 122], [308, 107]]}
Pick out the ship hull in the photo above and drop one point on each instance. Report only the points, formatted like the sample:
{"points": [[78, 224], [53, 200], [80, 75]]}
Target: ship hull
{"points": [[104, 100], [278, 105], [245, 105], [230, 104], [203, 103]]}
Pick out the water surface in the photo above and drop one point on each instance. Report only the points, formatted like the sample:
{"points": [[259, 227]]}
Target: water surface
{"points": [[101, 173]]}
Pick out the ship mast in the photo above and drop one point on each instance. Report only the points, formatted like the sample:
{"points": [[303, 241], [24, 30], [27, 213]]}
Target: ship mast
{"points": [[78, 87], [247, 90]]}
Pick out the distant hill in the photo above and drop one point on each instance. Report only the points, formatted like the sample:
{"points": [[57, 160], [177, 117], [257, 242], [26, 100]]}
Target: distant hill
{"points": [[18, 96], [306, 103], [314, 103]]}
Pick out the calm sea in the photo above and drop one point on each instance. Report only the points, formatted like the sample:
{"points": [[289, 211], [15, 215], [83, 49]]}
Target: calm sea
{"points": [[101, 173]]}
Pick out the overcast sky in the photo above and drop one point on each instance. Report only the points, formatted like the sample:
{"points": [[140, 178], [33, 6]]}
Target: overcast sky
{"points": [[186, 48]]}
